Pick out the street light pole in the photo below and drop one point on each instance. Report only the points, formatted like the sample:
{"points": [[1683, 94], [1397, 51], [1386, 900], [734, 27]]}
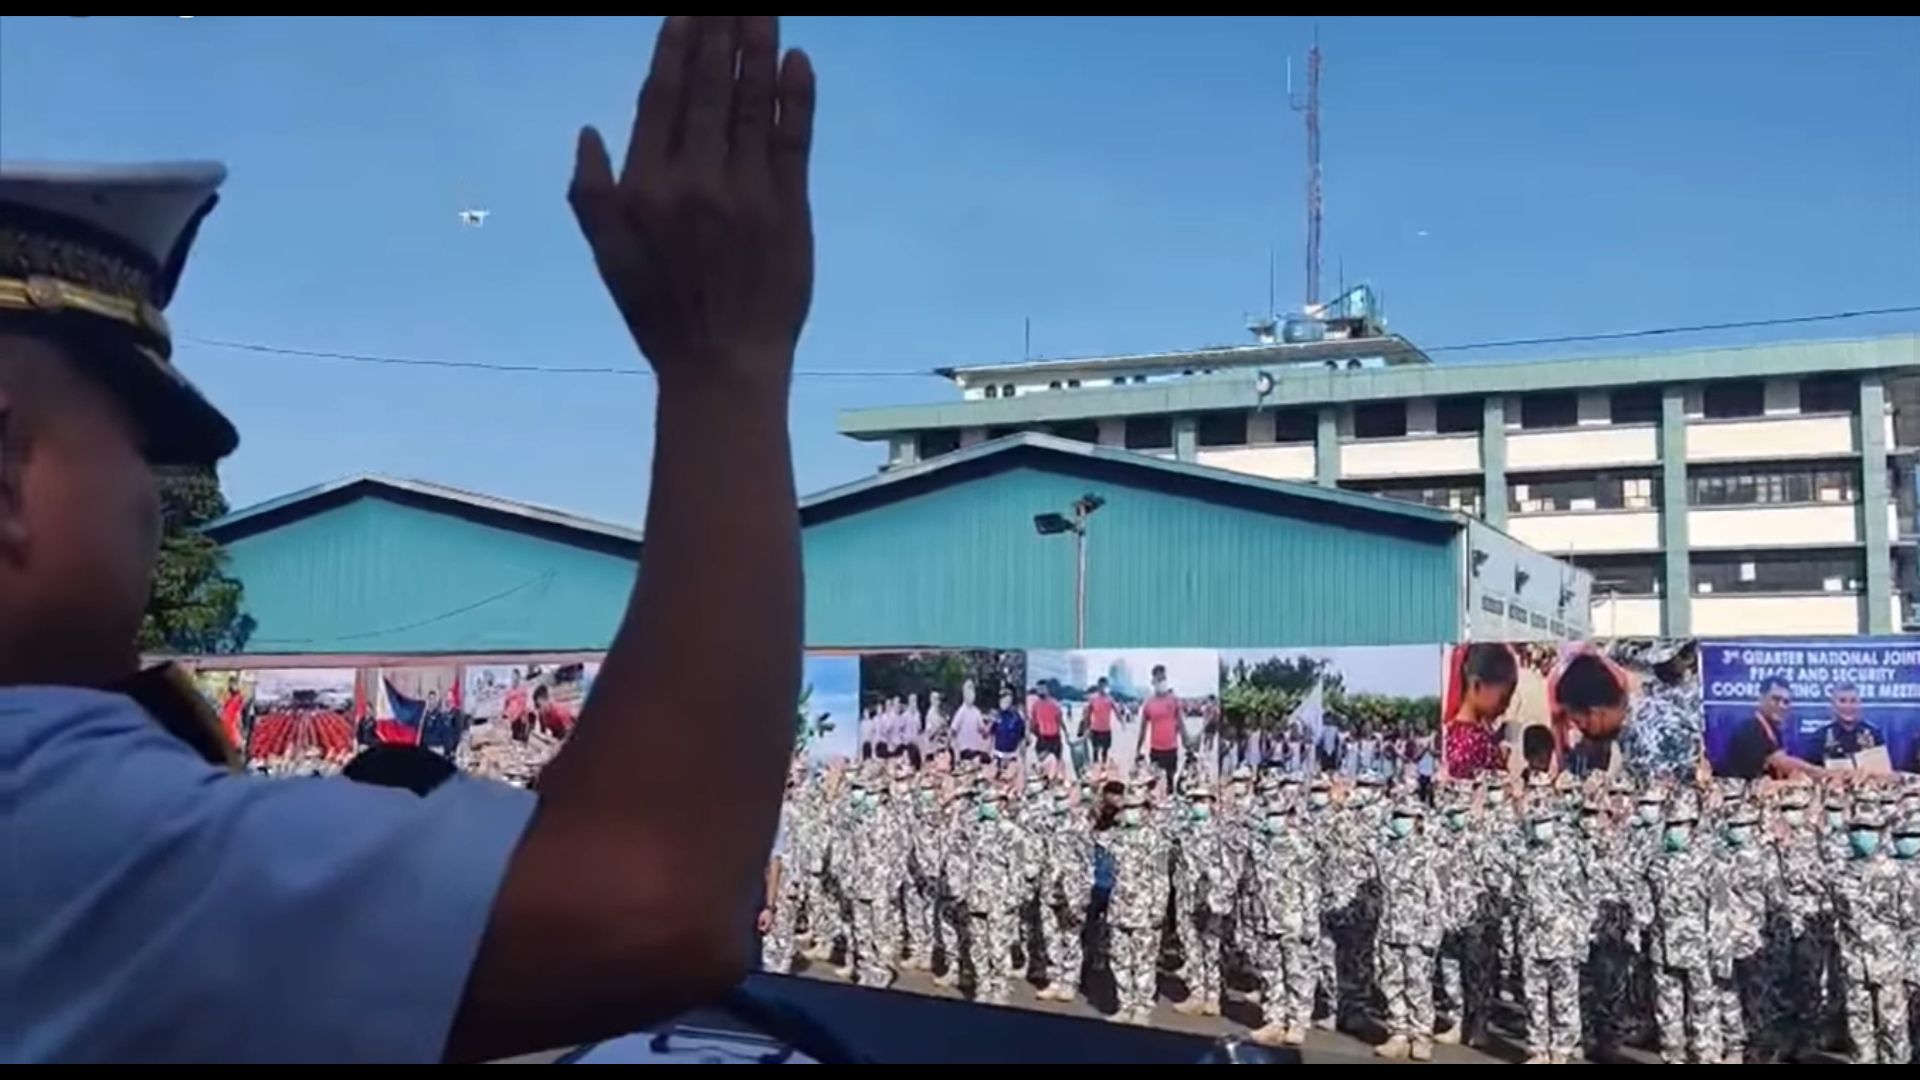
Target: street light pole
{"points": [[1074, 521]]}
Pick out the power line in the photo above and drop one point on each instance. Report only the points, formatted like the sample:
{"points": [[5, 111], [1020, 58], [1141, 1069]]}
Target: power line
{"points": [[1622, 335], [830, 373], [483, 365]]}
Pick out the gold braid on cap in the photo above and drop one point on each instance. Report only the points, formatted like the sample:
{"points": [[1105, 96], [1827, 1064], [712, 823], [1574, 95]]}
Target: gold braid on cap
{"points": [[47, 274]]}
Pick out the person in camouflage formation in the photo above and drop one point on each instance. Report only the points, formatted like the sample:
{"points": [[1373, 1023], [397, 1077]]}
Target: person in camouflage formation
{"points": [[925, 856], [786, 878], [896, 820], [1139, 902], [1203, 895], [830, 807], [1500, 868], [1806, 915], [1906, 853], [1454, 854], [958, 820], [1066, 887], [1645, 841], [1318, 824], [1356, 827], [1282, 921], [1747, 970], [1610, 873], [874, 849], [1868, 900], [994, 895], [1682, 877], [1555, 914], [1412, 920]]}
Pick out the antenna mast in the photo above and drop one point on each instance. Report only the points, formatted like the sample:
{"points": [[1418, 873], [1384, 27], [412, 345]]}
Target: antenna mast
{"points": [[1311, 108]]}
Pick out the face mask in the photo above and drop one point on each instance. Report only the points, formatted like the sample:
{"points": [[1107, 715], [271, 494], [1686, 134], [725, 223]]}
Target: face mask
{"points": [[1496, 798], [1906, 847], [1062, 804], [1677, 837], [1795, 818], [1456, 820], [1200, 812], [1274, 824], [1649, 813], [1130, 817], [1739, 836], [1865, 842], [989, 812], [1401, 826], [1318, 799], [1542, 831], [1836, 820]]}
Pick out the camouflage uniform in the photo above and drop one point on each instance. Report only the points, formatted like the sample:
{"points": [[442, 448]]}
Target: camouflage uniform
{"points": [[925, 852], [994, 894], [1682, 955], [958, 818], [1139, 903], [877, 846], [1354, 884], [1412, 920], [1317, 824], [1066, 886], [1282, 918], [1554, 917], [1909, 835], [832, 805], [1454, 854], [1746, 975], [776, 947], [1607, 862], [1868, 899], [1203, 895], [1806, 916]]}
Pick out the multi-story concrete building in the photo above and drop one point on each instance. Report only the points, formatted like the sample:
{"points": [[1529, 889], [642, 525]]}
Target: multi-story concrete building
{"points": [[1726, 491]]}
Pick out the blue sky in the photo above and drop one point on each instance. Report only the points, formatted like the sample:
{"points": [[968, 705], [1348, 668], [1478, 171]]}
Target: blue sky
{"points": [[1118, 181]]}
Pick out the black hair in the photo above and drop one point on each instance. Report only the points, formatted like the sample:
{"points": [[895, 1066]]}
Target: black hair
{"points": [[1771, 681], [414, 768], [1536, 743], [1587, 683], [1490, 662]]}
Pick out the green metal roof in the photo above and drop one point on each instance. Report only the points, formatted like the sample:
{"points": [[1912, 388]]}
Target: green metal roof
{"points": [[1236, 389], [1028, 444]]}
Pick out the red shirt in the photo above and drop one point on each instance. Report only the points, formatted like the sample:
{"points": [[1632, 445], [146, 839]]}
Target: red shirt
{"points": [[1046, 718], [1471, 750], [1162, 713], [1100, 713]]}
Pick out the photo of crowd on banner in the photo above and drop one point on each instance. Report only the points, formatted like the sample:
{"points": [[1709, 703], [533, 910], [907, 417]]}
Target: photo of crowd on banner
{"points": [[1549, 851]]}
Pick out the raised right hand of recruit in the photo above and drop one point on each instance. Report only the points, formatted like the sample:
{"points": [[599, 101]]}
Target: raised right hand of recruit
{"points": [[705, 239]]}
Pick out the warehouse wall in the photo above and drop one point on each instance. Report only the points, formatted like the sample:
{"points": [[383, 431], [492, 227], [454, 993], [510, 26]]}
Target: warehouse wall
{"points": [[379, 576], [960, 564]]}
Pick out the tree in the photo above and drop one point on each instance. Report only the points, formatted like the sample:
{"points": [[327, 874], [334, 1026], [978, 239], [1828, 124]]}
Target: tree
{"points": [[195, 606]]}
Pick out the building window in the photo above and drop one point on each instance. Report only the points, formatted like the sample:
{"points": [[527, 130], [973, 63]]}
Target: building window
{"points": [[1149, 433], [1622, 575], [1054, 385], [1073, 384], [1224, 428], [1555, 410], [1380, 420], [937, 442], [1778, 572], [1553, 494], [1748, 485], [993, 391], [1086, 431], [1829, 394], [1634, 405], [1731, 399], [1462, 498], [1458, 415], [1295, 426]]}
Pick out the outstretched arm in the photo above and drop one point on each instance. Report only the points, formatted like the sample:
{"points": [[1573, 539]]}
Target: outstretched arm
{"points": [[630, 896]]}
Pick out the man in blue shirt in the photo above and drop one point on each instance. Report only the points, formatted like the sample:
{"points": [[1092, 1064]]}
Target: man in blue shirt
{"points": [[161, 907], [1009, 729]]}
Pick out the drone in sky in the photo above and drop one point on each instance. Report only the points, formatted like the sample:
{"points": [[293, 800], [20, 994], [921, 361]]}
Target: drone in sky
{"points": [[474, 217]]}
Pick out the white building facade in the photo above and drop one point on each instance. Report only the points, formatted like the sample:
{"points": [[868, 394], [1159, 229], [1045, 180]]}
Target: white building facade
{"points": [[1747, 491]]}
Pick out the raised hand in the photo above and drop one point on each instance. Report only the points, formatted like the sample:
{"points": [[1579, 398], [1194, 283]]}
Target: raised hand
{"points": [[705, 238]]}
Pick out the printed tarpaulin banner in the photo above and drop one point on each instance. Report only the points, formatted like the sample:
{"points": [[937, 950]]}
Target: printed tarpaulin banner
{"points": [[1847, 703]]}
